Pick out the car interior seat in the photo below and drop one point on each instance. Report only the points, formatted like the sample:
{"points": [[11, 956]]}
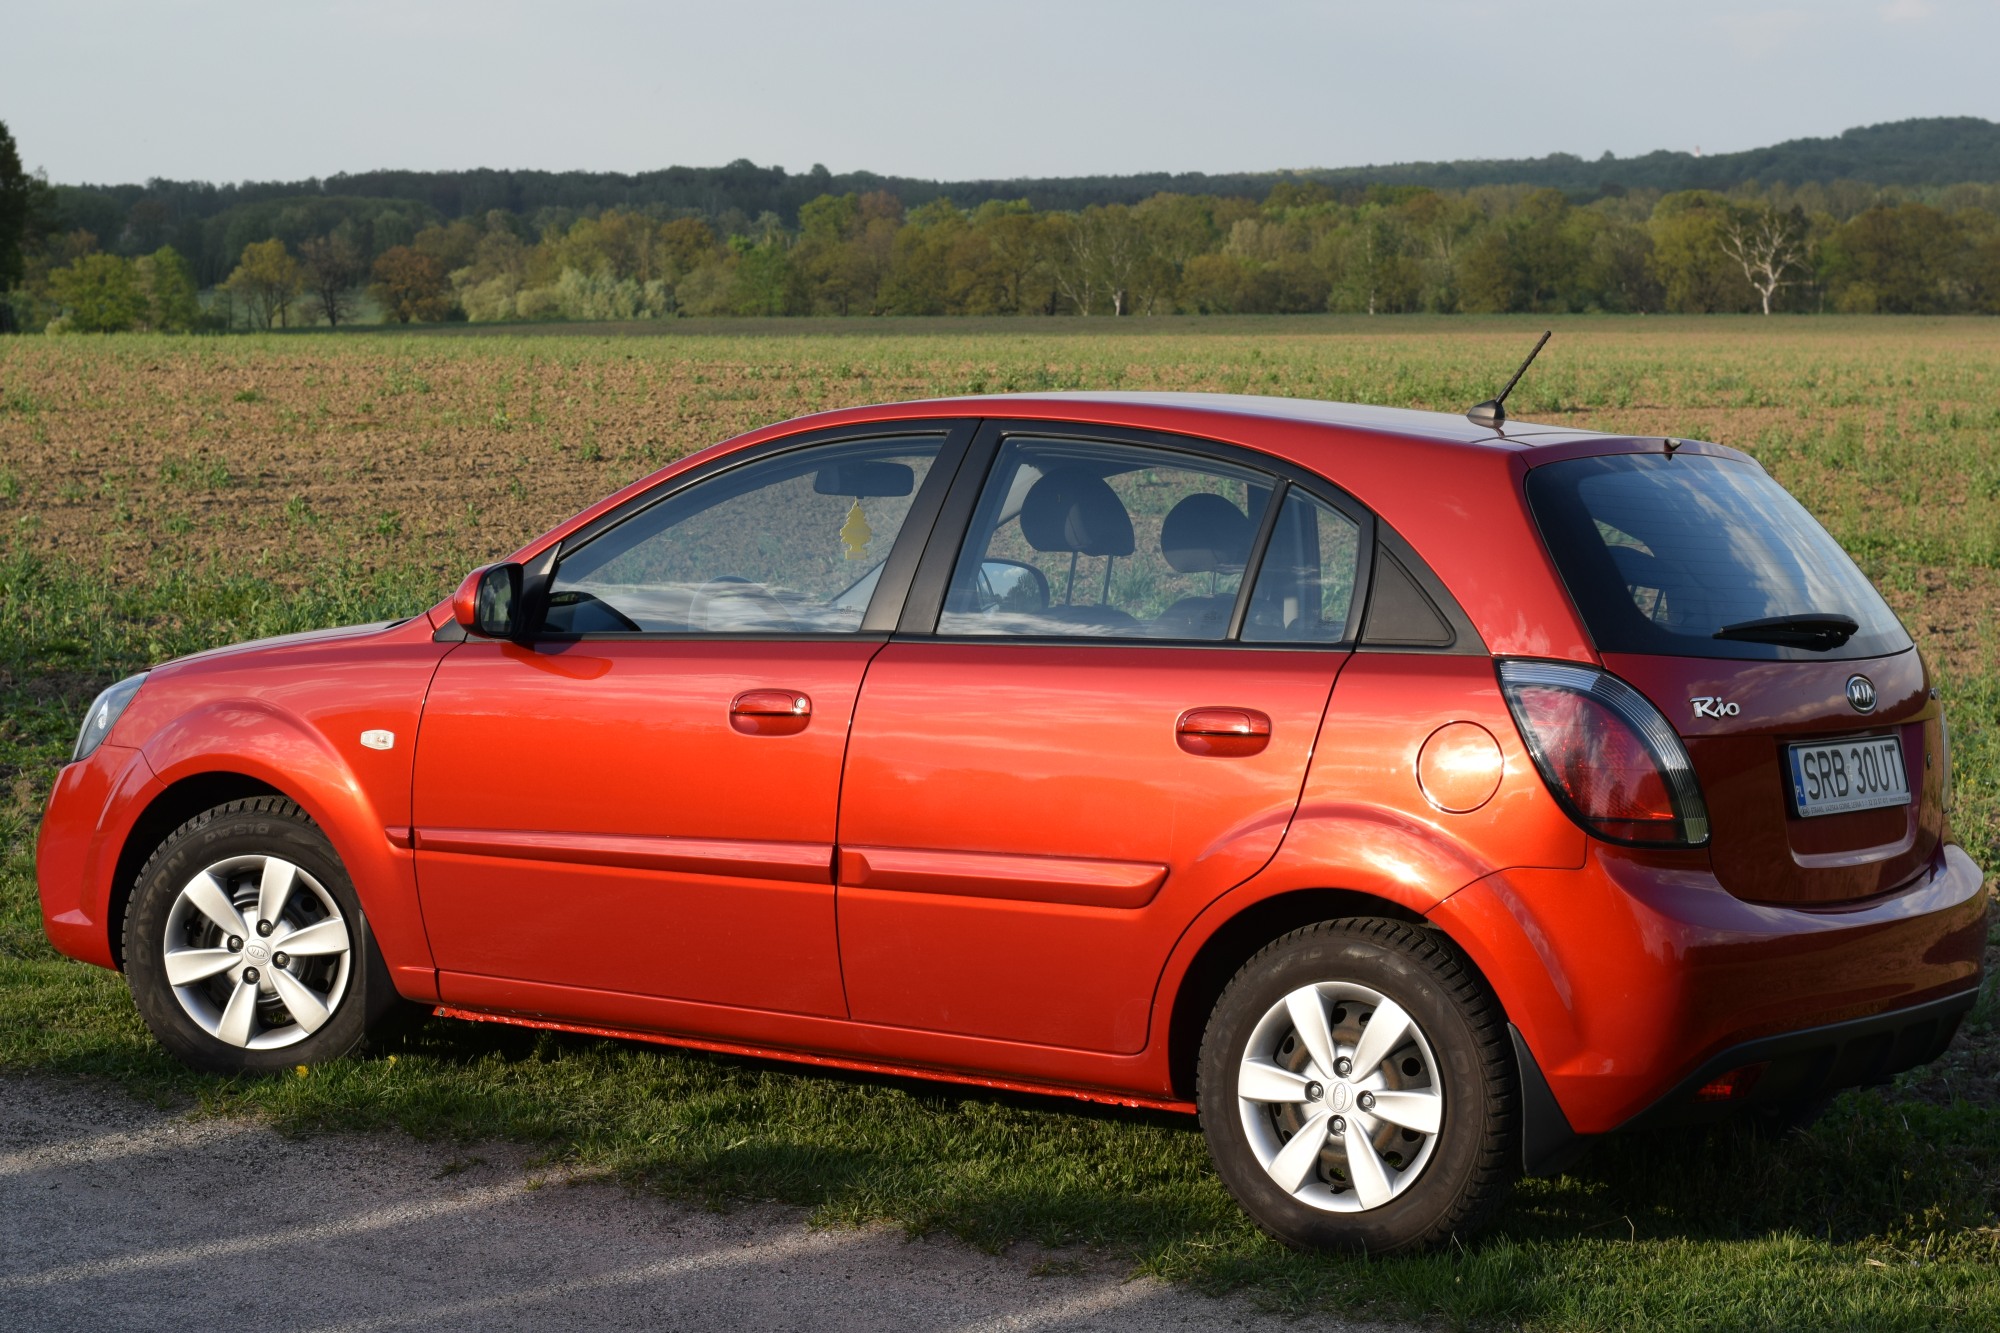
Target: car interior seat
{"points": [[1203, 534], [1074, 510]]}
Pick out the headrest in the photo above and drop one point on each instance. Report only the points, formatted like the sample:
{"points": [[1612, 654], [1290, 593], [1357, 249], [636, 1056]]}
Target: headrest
{"points": [[1074, 510], [1206, 532]]}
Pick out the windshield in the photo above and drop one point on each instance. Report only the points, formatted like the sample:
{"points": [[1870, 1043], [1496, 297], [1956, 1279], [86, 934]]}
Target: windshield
{"points": [[1662, 551]]}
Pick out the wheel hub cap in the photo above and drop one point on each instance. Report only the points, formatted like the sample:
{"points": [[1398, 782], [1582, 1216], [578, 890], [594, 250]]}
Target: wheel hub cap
{"points": [[1340, 1097], [256, 952]]}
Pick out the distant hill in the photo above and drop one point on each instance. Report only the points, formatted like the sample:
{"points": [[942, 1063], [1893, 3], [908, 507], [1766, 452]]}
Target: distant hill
{"points": [[1935, 151], [1941, 150]]}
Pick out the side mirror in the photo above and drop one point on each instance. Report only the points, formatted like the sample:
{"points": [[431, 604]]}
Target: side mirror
{"points": [[1010, 585], [488, 603]]}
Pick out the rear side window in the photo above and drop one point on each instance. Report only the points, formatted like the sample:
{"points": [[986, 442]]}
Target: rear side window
{"points": [[1305, 589], [1662, 553]]}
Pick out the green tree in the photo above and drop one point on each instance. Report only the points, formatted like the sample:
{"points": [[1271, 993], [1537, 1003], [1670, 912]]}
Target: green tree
{"points": [[1529, 259], [918, 280], [1618, 271], [97, 293], [14, 197], [764, 278], [1371, 262], [1898, 259], [166, 283], [687, 244], [1690, 235], [268, 280], [1982, 271], [332, 267], [411, 285]]}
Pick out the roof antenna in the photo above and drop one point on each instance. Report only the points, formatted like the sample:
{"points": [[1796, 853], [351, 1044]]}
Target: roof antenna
{"points": [[1494, 410]]}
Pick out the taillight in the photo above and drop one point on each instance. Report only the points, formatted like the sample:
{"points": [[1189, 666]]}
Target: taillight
{"points": [[1606, 754]]}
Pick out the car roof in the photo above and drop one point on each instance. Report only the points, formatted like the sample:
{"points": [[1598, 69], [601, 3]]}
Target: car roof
{"points": [[1414, 423]]}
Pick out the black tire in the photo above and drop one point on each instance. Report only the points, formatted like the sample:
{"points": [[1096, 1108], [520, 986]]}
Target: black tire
{"points": [[1457, 1174], [241, 831]]}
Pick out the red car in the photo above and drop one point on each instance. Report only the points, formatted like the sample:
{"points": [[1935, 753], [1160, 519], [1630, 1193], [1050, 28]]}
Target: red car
{"points": [[1413, 796]]}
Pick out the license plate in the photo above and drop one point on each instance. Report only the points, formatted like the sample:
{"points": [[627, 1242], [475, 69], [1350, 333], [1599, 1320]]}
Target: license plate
{"points": [[1835, 777]]}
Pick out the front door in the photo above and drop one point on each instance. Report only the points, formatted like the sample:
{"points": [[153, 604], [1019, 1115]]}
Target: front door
{"points": [[642, 800], [1104, 734]]}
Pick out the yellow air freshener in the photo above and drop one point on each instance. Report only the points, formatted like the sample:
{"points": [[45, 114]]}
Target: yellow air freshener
{"points": [[855, 534]]}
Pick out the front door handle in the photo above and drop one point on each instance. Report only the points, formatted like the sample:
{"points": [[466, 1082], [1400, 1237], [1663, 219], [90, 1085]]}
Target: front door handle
{"points": [[1223, 733], [770, 712]]}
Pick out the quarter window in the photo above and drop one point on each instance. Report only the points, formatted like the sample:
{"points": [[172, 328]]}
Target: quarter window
{"points": [[791, 544]]}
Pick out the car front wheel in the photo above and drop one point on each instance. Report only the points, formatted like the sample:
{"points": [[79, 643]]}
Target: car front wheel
{"points": [[245, 945], [1356, 1091]]}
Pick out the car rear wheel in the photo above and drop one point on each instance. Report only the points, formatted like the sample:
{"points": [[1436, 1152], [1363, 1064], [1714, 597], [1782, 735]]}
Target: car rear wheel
{"points": [[245, 945], [1356, 1091]]}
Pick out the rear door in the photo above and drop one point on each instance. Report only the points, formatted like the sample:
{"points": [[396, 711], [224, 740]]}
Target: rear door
{"points": [[642, 801], [1806, 710], [1087, 729]]}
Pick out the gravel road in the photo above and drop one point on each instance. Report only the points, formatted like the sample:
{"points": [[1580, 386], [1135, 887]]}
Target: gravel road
{"points": [[114, 1214]]}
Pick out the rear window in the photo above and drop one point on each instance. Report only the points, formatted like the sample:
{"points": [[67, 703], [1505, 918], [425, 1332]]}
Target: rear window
{"points": [[1660, 551]]}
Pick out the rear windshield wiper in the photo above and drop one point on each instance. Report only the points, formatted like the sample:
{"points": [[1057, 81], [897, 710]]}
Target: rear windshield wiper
{"points": [[1818, 630]]}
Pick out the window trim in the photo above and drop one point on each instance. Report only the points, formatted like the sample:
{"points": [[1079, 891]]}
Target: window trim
{"points": [[885, 605], [924, 605]]}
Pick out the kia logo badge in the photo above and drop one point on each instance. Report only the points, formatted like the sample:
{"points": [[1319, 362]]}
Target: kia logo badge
{"points": [[1861, 693]]}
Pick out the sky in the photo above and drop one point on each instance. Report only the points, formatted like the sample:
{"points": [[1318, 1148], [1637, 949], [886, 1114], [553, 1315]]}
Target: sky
{"points": [[230, 90]]}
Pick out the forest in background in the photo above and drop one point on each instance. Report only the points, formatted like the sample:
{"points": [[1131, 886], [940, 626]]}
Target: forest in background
{"points": [[1900, 218]]}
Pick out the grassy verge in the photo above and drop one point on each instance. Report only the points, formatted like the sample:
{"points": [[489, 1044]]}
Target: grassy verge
{"points": [[1882, 1217]]}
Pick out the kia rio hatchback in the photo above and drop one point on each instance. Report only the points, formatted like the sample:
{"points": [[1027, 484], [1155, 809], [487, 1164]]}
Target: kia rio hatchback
{"points": [[1411, 797]]}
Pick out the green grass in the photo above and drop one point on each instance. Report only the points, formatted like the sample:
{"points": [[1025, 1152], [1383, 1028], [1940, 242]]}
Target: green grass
{"points": [[1886, 1215]]}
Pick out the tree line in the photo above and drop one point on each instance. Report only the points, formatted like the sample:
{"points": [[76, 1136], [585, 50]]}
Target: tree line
{"points": [[210, 223], [1301, 246]]}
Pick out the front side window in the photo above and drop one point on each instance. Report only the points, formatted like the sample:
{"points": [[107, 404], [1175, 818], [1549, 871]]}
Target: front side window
{"points": [[792, 544], [1077, 538]]}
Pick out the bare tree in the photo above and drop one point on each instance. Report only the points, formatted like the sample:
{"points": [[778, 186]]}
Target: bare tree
{"points": [[332, 268], [1076, 263], [1121, 251], [1106, 250], [1769, 246]]}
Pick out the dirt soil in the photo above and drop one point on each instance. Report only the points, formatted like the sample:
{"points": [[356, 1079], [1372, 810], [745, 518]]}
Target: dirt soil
{"points": [[126, 1216]]}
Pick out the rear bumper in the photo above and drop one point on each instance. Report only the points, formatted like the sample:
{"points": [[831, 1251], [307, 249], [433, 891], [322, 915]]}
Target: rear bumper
{"points": [[1793, 1068], [1634, 980], [1800, 1066]]}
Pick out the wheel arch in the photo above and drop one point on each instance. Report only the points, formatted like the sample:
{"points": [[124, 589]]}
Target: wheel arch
{"points": [[248, 747], [1231, 944], [179, 802]]}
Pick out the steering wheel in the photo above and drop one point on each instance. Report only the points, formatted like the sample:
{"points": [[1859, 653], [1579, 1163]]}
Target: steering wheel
{"points": [[734, 587]]}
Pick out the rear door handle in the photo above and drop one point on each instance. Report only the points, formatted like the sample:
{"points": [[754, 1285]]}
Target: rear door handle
{"points": [[770, 712], [1223, 733]]}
